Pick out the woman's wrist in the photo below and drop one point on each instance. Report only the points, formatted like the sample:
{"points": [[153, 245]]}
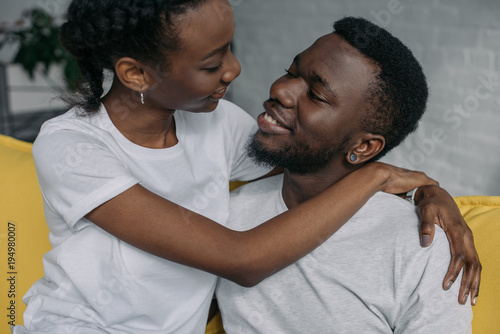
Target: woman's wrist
{"points": [[378, 173], [410, 195], [424, 192]]}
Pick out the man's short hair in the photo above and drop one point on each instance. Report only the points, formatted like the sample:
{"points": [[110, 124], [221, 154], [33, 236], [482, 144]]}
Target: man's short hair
{"points": [[399, 92]]}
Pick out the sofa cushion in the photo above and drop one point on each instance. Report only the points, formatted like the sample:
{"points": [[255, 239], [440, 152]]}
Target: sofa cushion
{"points": [[482, 214], [23, 232]]}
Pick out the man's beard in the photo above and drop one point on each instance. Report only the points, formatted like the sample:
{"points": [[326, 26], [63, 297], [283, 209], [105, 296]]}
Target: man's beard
{"points": [[298, 158]]}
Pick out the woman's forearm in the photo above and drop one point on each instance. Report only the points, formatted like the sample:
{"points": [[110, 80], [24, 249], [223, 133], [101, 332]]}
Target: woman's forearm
{"points": [[162, 228]]}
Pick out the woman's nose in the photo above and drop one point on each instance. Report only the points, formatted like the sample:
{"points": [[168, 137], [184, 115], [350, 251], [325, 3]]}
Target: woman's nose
{"points": [[232, 70]]}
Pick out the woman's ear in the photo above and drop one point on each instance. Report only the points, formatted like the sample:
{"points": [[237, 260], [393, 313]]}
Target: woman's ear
{"points": [[365, 148], [132, 74]]}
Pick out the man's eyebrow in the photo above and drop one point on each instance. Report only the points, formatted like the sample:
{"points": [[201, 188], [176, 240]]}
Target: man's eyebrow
{"points": [[214, 52], [316, 78]]}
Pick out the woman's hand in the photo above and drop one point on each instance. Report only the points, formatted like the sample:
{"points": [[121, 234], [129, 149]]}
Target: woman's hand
{"points": [[436, 206], [399, 180]]}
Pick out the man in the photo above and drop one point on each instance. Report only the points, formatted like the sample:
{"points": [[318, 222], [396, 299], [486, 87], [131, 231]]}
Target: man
{"points": [[347, 100]]}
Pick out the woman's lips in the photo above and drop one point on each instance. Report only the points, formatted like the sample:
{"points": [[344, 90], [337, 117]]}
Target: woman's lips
{"points": [[219, 94]]}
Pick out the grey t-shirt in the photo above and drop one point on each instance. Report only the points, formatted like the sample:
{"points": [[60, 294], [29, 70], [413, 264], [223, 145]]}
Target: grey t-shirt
{"points": [[372, 276]]}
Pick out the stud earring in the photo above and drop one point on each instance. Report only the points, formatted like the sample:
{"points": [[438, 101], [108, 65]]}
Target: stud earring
{"points": [[142, 98], [353, 157]]}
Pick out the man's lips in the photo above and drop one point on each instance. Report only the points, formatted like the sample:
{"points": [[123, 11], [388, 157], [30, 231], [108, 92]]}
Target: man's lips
{"points": [[274, 114], [270, 121]]}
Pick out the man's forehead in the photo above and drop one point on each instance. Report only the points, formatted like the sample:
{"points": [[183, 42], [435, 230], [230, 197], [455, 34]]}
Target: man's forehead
{"points": [[332, 45], [331, 54]]}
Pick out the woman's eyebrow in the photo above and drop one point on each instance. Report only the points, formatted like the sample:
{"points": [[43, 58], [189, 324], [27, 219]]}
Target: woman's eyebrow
{"points": [[216, 51]]}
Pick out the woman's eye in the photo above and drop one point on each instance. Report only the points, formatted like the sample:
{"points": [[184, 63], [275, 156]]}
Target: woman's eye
{"points": [[214, 69]]}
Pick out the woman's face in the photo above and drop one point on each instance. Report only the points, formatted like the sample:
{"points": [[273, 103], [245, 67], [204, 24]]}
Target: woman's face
{"points": [[199, 73]]}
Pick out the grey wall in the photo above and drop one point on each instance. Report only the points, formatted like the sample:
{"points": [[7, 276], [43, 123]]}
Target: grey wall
{"points": [[458, 44], [11, 10], [26, 95]]}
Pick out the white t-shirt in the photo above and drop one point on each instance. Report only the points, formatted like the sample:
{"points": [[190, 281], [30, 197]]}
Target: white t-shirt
{"points": [[371, 276], [93, 281]]}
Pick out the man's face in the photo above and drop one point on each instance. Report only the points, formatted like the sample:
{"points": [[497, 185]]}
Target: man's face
{"points": [[315, 108]]}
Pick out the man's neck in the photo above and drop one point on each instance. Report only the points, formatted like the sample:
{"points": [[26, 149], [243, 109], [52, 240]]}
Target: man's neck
{"points": [[298, 188]]}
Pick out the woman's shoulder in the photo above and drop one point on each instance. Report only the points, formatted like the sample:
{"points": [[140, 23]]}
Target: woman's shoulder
{"points": [[75, 119], [68, 130]]}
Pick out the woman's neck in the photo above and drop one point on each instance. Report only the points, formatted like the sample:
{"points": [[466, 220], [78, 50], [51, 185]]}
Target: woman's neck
{"points": [[142, 125]]}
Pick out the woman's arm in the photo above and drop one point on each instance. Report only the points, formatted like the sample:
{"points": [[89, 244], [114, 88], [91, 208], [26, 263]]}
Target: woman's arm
{"points": [[160, 227], [436, 206]]}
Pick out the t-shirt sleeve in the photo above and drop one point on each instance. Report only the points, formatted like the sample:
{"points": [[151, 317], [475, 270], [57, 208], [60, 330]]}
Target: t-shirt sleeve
{"points": [[241, 126], [428, 307], [77, 172]]}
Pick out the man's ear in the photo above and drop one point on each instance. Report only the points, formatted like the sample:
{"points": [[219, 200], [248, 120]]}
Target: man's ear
{"points": [[366, 147], [132, 74]]}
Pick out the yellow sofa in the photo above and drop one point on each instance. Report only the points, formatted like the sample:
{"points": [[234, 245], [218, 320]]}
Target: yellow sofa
{"points": [[24, 240]]}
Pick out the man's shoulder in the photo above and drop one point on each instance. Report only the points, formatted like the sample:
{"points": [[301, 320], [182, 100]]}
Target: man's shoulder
{"points": [[388, 217], [397, 219], [388, 210], [385, 199]]}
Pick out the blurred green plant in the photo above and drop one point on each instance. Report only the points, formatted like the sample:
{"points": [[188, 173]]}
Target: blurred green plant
{"points": [[38, 39]]}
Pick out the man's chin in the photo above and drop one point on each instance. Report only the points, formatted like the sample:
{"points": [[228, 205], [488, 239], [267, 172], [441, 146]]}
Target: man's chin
{"points": [[296, 159], [285, 157], [259, 154]]}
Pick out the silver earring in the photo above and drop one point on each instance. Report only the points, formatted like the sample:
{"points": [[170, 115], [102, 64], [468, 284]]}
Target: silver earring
{"points": [[353, 157], [142, 98]]}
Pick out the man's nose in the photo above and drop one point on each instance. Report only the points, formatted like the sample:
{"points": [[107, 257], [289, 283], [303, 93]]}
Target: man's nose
{"points": [[286, 91]]}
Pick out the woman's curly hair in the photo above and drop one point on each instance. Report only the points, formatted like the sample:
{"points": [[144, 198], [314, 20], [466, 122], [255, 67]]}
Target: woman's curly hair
{"points": [[98, 32]]}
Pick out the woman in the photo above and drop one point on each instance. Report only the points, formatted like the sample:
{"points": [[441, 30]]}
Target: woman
{"points": [[135, 183]]}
